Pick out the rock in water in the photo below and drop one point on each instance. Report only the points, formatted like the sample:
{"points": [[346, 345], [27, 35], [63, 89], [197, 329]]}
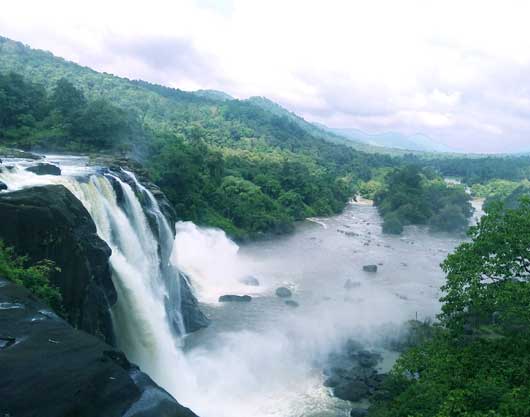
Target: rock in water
{"points": [[370, 268], [235, 298], [291, 303], [44, 169], [349, 284], [3, 186], [49, 369], [368, 359], [351, 391], [250, 280], [51, 223], [283, 292], [359, 412], [194, 319]]}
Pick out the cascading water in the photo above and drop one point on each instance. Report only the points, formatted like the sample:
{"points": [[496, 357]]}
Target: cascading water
{"points": [[148, 307]]}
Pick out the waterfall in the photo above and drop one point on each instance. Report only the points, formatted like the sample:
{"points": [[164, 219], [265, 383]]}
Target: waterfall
{"points": [[147, 317]]}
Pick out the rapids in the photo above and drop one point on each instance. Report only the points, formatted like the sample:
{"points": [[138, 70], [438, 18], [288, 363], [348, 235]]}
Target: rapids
{"points": [[263, 358]]}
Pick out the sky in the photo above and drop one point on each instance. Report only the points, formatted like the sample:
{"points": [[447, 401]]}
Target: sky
{"points": [[457, 71]]}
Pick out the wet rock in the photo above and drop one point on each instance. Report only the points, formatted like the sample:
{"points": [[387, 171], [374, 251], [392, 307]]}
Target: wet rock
{"points": [[358, 412], [56, 370], [283, 292], [368, 359], [44, 169], [250, 280], [3, 186], [229, 298], [291, 303], [192, 316], [49, 222], [370, 268], [349, 284], [352, 391]]}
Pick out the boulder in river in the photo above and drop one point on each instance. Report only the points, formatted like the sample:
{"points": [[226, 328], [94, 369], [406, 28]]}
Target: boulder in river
{"points": [[368, 359], [370, 268], [44, 169], [351, 391], [250, 280], [235, 298], [3, 186], [358, 412], [49, 369], [194, 319], [349, 284], [283, 292], [291, 303]]}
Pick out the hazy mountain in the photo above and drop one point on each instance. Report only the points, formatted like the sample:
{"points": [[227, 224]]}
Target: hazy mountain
{"points": [[417, 142]]}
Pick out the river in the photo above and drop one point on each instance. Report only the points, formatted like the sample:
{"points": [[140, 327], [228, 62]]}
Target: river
{"points": [[263, 358]]}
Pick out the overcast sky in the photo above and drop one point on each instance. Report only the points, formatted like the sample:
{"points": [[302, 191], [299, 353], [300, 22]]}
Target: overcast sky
{"points": [[458, 71]]}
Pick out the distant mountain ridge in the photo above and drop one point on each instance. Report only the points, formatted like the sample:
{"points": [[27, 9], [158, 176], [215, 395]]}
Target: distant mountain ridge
{"points": [[416, 142]]}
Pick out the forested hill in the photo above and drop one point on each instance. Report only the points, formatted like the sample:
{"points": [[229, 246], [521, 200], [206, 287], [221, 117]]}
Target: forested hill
{"points": [[235, 164]]}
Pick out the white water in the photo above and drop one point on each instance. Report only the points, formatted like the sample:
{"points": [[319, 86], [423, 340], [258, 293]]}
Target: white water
{"points": [[262, 358], [140, 319]]}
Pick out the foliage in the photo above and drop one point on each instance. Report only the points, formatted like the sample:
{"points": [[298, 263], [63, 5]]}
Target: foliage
{"points": [[35, 278], [495, 188], [411, 195], [488, 274], [63, 119], [478, 169], [276, 167], [476, 362]]}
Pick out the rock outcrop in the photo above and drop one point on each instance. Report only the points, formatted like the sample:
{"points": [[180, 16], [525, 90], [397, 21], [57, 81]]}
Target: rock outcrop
{"points": [[370, 268], [193, 317], [352, 374], [44, 169], [49, 222], [49, 369], [283, 292], [250, 280], [230, 298]]}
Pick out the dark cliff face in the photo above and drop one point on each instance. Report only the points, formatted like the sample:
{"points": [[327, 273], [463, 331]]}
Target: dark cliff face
{"points": [[49, 222], [49, 369]]}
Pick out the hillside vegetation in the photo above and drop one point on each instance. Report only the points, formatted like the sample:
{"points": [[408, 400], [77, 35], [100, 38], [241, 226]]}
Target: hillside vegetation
{"points": [[233, 164], [476, 361]]}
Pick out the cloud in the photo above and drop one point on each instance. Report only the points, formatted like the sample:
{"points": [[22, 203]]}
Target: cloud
{"points": [[457, 71]]}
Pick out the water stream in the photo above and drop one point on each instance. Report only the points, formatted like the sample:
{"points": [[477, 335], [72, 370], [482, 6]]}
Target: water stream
{"points": [[262, 358]]}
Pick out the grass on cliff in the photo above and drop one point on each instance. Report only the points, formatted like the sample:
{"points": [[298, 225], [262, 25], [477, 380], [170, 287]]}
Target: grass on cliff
{"points": [[36, 277]]}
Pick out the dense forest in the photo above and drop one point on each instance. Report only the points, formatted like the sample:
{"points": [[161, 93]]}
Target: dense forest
{"points": [[226, 163], [474, 362], [476, 169], [247, 166], [410, 195]]}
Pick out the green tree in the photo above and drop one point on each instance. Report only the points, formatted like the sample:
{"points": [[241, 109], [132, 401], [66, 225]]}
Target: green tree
{"points": [[67, 99]]}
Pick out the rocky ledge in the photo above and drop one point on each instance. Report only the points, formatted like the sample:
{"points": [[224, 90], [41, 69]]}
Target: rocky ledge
{"points": [[49, 222], [49, 369], [352, 374]]}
